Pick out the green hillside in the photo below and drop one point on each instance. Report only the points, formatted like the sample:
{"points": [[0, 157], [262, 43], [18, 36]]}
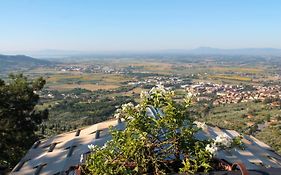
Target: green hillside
{"points": [[10, 63]]}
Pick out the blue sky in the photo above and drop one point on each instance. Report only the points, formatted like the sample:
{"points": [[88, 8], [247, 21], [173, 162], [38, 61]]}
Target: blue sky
{"points": [[101, 25]]}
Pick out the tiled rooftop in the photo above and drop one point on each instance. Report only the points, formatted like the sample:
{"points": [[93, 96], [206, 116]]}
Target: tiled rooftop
{"points": [[256, 154], [57, 154]]}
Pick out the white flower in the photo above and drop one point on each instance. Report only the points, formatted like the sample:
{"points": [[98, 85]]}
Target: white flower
{"points": [[144, 94], [160, 87], [81, 158], [127, 106], [104, 146], [201, 125], [189, 95], [118, 110], [117, 115], [92, 147], [212, 149], [224, 140], [138, 107]]}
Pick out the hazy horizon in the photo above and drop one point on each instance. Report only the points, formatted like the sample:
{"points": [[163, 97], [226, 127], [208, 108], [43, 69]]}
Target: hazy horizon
{"points": [[53, 53]]}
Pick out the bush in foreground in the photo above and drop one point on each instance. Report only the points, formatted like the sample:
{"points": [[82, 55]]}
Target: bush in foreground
{"points": [[156, 144]]}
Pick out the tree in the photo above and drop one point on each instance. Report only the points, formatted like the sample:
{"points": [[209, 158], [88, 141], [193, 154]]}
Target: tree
{"points": [[18, 118]]}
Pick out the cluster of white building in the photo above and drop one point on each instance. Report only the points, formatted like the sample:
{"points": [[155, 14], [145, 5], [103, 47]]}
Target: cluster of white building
{"points": [[226, 93], [158, 80], [89, 69]]}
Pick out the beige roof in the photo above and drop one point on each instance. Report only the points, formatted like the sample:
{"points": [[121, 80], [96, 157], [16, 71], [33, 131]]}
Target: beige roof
{"points": [[256, 154], [57, 154]]}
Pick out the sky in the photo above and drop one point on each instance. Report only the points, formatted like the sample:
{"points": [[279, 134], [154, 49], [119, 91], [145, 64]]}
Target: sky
{"points": [[134, 25]]}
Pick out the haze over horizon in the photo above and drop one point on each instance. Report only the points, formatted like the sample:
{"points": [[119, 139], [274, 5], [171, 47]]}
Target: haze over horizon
{"points": [[96, 26]]}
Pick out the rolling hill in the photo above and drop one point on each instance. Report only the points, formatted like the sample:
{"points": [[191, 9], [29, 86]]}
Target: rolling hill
{"points": [[20, 62]]}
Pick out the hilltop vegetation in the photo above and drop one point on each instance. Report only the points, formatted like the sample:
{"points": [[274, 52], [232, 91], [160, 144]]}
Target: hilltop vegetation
{"points": [[15, 63]]}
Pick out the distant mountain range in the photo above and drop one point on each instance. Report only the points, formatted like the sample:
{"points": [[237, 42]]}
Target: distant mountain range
{"points": [[9, 62], [244, 51], [20, 62], [198, 51]]}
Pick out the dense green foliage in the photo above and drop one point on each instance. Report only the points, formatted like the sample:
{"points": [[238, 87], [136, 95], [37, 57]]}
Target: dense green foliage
{"points": [[18, 119], [87, 108], [259, 119], [158, 144]]}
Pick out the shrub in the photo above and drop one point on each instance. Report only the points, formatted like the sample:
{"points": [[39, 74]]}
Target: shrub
{"points": [[159, 138]]}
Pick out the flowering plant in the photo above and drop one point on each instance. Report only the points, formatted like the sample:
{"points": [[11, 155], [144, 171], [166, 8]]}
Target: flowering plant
{"points": [[159, 138]]}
